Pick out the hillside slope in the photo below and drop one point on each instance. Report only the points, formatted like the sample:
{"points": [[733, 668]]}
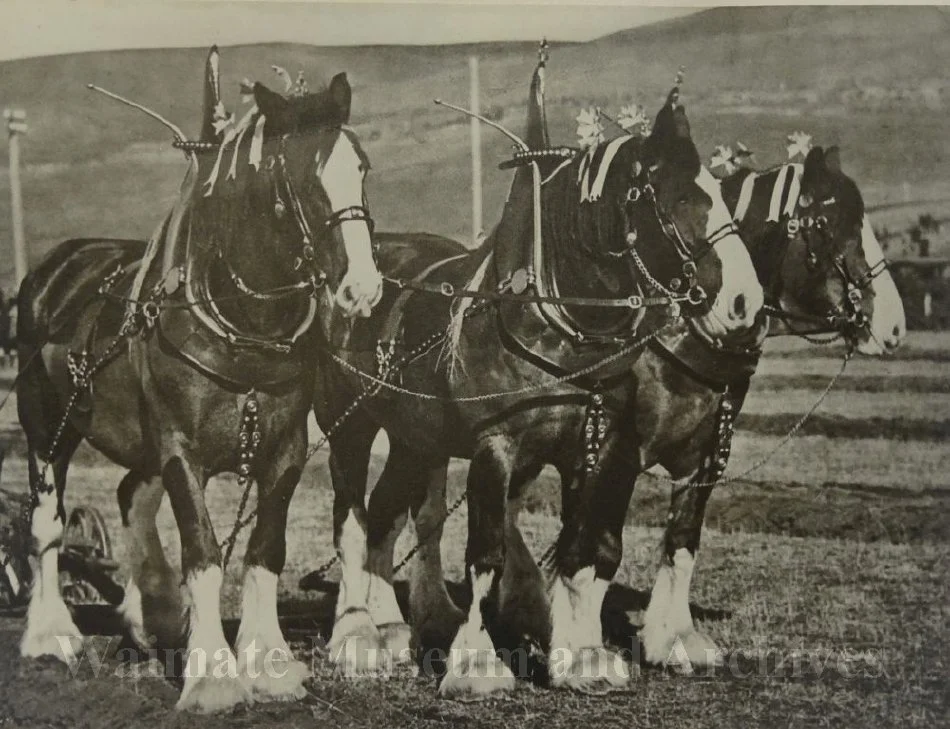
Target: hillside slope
{"points": [[871, 79]]}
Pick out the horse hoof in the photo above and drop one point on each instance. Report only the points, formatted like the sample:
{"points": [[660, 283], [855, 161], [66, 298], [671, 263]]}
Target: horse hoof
{"points": [[279, 680], [65, 647], [50, 631], [130, 613], [211, 694], [701, 650], [356, 646], [396, 638], [589, 670], [683, 651], [475, 674]]}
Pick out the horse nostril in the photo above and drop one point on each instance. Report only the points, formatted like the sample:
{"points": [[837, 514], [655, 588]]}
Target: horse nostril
{"points": [[738, 307], [897, 331]]}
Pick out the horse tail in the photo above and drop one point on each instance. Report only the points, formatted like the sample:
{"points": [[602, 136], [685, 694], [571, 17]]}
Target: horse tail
{"points": [[450, 353]]}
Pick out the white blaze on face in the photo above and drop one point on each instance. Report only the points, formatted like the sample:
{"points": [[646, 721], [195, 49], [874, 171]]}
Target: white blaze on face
{"points": [[888, 326], [341, 173], [741, 297]]}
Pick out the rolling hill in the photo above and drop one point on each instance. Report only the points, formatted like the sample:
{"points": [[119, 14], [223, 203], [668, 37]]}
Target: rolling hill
{"points": [[872, 79]]}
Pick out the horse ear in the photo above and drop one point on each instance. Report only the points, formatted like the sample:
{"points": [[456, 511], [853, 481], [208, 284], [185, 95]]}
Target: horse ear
{"points": [[833, 160], [212, 95], [342, 95], [681, 122], [814, 161], [269, 102], [671, 122]]}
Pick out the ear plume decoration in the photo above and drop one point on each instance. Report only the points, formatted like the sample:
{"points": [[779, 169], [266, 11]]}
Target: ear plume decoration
{"points": [[543, 52], [726, 160], [285, 77], [247, 91], [221, 119], [300, 87], [674, 95], [723, 158], [633, 119], [799, 144], [590, 129]]}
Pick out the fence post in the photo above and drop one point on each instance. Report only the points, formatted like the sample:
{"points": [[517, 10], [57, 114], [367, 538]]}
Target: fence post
{"points": [[16, 125], [476, 151]]}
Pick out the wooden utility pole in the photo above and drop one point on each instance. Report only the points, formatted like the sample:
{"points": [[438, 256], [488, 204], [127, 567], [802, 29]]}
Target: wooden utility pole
{"points": [[476, 151], [16, 125]]}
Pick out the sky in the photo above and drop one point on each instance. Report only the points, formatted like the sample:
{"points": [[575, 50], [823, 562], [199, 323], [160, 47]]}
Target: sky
{"points": [[45, 27]]}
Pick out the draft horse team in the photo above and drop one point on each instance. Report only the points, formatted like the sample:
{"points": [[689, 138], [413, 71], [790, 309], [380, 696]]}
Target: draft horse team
{"points": [[610, 322]]}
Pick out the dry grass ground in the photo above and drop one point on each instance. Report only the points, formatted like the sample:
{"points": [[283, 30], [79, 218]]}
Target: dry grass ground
{"points": [[818, 633]]}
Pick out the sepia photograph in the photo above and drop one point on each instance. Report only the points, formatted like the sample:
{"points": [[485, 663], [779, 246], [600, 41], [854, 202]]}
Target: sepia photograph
{"points": [[406, 363]]}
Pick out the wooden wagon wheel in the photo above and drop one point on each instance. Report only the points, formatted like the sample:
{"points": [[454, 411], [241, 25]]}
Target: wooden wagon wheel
{"points": [[86, 556]]}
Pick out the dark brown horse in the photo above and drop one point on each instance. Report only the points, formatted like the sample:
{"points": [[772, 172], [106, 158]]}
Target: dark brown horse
{"points": [[500, 406], [191, 362], [823, 271]]}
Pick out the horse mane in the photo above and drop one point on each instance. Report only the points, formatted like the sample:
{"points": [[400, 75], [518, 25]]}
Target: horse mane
{"points": [[450, 353]]}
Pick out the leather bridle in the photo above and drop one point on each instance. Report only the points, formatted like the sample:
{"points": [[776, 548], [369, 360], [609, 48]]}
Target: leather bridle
{"points": [[846, 318], [646, 194]]}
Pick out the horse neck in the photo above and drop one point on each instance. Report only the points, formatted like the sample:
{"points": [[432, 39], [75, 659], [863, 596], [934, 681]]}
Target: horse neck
{"points": [[565, 237], [763, 237]]}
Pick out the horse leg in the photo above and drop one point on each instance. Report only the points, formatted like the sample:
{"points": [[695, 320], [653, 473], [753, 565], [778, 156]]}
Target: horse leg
{"points": [[398, 486], [522, 599], [588, 554], [474, 670], [265, 660], [50, 629], [669, 636], [355, 644], [434, 616], [152, 609], [211, 678], [409, 479]]}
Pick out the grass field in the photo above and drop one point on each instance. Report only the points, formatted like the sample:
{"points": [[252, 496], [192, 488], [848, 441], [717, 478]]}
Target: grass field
{"points": [[823, 575]]}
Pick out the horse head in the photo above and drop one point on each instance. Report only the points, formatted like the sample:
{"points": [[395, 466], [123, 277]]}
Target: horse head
{"points": [[832, 267], [293, 198], [692, 215]]}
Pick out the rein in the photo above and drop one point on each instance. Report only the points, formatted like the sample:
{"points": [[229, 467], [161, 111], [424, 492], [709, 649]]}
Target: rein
{"points": [[503, 294]]}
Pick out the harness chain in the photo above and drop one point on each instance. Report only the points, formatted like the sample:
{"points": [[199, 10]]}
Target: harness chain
{"points": [[419, 350], [82, 378], [130, 328]]}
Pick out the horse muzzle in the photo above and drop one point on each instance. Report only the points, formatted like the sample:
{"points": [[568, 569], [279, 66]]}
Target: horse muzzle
{"points": [[356, 297]]}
